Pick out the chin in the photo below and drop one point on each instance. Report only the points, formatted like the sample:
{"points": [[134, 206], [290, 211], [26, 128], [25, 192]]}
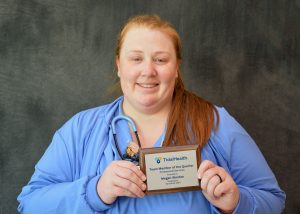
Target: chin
{"points": [[147, 103]]}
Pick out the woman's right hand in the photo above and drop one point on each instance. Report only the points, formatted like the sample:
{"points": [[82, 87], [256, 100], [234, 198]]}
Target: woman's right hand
{"points": [[121, 178]]}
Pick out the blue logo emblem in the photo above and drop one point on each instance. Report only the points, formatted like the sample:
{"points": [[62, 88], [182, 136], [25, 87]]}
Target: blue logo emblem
{"points": [[158, 159]]}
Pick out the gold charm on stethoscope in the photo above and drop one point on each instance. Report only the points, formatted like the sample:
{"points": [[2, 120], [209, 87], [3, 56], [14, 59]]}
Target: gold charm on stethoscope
{"points": [[132, 151]]}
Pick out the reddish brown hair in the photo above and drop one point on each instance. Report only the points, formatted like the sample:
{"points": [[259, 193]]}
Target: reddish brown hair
{"points": [[191, 118]]}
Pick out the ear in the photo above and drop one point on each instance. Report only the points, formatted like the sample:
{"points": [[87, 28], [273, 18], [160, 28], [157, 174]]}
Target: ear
{"points": [[118, 66]]}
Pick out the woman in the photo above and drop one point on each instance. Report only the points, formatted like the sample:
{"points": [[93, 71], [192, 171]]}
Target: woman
{"points": [[82, 171]]}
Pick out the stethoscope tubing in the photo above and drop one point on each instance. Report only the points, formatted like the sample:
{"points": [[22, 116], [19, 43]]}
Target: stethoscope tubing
{"points": [[134, 129]]}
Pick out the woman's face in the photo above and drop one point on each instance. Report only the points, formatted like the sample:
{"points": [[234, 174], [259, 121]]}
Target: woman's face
{"points": [[147, 68]]}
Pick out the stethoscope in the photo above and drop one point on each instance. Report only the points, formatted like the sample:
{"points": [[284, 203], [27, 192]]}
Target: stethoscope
{"points": [[134, 158]]}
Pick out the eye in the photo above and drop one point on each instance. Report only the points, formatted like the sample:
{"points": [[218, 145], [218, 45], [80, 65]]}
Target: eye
{"points": [[160, 60], [136, 59]]}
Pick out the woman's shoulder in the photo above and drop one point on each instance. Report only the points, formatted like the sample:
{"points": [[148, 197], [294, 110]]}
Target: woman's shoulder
{"points": [[228, 134], [227, 123], [87, 118]]}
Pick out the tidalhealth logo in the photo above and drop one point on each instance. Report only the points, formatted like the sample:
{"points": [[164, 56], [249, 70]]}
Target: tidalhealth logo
{"points": [[158, 159]]}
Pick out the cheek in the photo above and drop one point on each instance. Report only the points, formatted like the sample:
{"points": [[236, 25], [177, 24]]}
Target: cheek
{"points": [[127, 76], [169, 77]]}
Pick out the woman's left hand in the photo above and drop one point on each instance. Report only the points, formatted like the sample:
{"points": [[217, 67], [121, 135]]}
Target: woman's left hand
{"points": [[218, 186]]}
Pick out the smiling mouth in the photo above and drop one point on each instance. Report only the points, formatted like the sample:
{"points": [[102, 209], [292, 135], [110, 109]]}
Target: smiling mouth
{"points": [[147, 85]]}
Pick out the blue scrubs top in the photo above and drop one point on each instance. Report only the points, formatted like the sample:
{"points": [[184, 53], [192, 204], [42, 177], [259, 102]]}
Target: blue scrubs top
{"points": [[66, 176]]}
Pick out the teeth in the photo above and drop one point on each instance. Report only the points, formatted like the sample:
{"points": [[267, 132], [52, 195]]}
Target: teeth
{"points": [[148, 85]]}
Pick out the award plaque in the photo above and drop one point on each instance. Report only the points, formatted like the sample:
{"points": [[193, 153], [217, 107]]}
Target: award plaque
{"points": [[170, 169]]}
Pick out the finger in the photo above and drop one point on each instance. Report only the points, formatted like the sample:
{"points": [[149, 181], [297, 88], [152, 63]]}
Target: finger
{"points": [[130, 175], [134, 168], [208, 175], [205, 165], [223, 188], [213, 183], [119, 191], [129, 186]]}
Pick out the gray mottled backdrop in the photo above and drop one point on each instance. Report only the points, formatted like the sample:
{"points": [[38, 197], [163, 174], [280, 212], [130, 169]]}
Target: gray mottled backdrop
{"points": [[56, 58]]}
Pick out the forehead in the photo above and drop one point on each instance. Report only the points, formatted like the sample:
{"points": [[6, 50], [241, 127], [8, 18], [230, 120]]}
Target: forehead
{"points": [[143, 37]]}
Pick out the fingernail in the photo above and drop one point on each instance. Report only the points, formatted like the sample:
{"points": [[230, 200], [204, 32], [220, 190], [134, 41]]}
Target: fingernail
{"points": [[144, 186], [144, 178]]}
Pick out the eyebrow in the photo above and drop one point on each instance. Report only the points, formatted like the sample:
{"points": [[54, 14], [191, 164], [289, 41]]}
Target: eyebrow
{"points": [[135, 51], [162, 52], [157, 52]]}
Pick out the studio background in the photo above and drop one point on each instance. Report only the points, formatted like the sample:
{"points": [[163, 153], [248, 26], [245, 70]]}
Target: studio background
{"points": [[57, 58]]}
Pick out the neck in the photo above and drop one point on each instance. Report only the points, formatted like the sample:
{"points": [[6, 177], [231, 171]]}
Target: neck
{"points": [[148, 115], [150, 125]]}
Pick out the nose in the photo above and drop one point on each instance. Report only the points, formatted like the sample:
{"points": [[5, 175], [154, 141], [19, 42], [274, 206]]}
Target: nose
{"points": [[149, 68]]}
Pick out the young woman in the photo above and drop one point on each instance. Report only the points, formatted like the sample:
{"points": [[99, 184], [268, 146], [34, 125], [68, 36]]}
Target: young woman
{"points": [[82, 171]]}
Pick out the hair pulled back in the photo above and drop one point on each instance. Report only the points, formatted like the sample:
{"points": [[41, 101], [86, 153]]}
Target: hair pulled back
{"points": [[191, 118]]}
